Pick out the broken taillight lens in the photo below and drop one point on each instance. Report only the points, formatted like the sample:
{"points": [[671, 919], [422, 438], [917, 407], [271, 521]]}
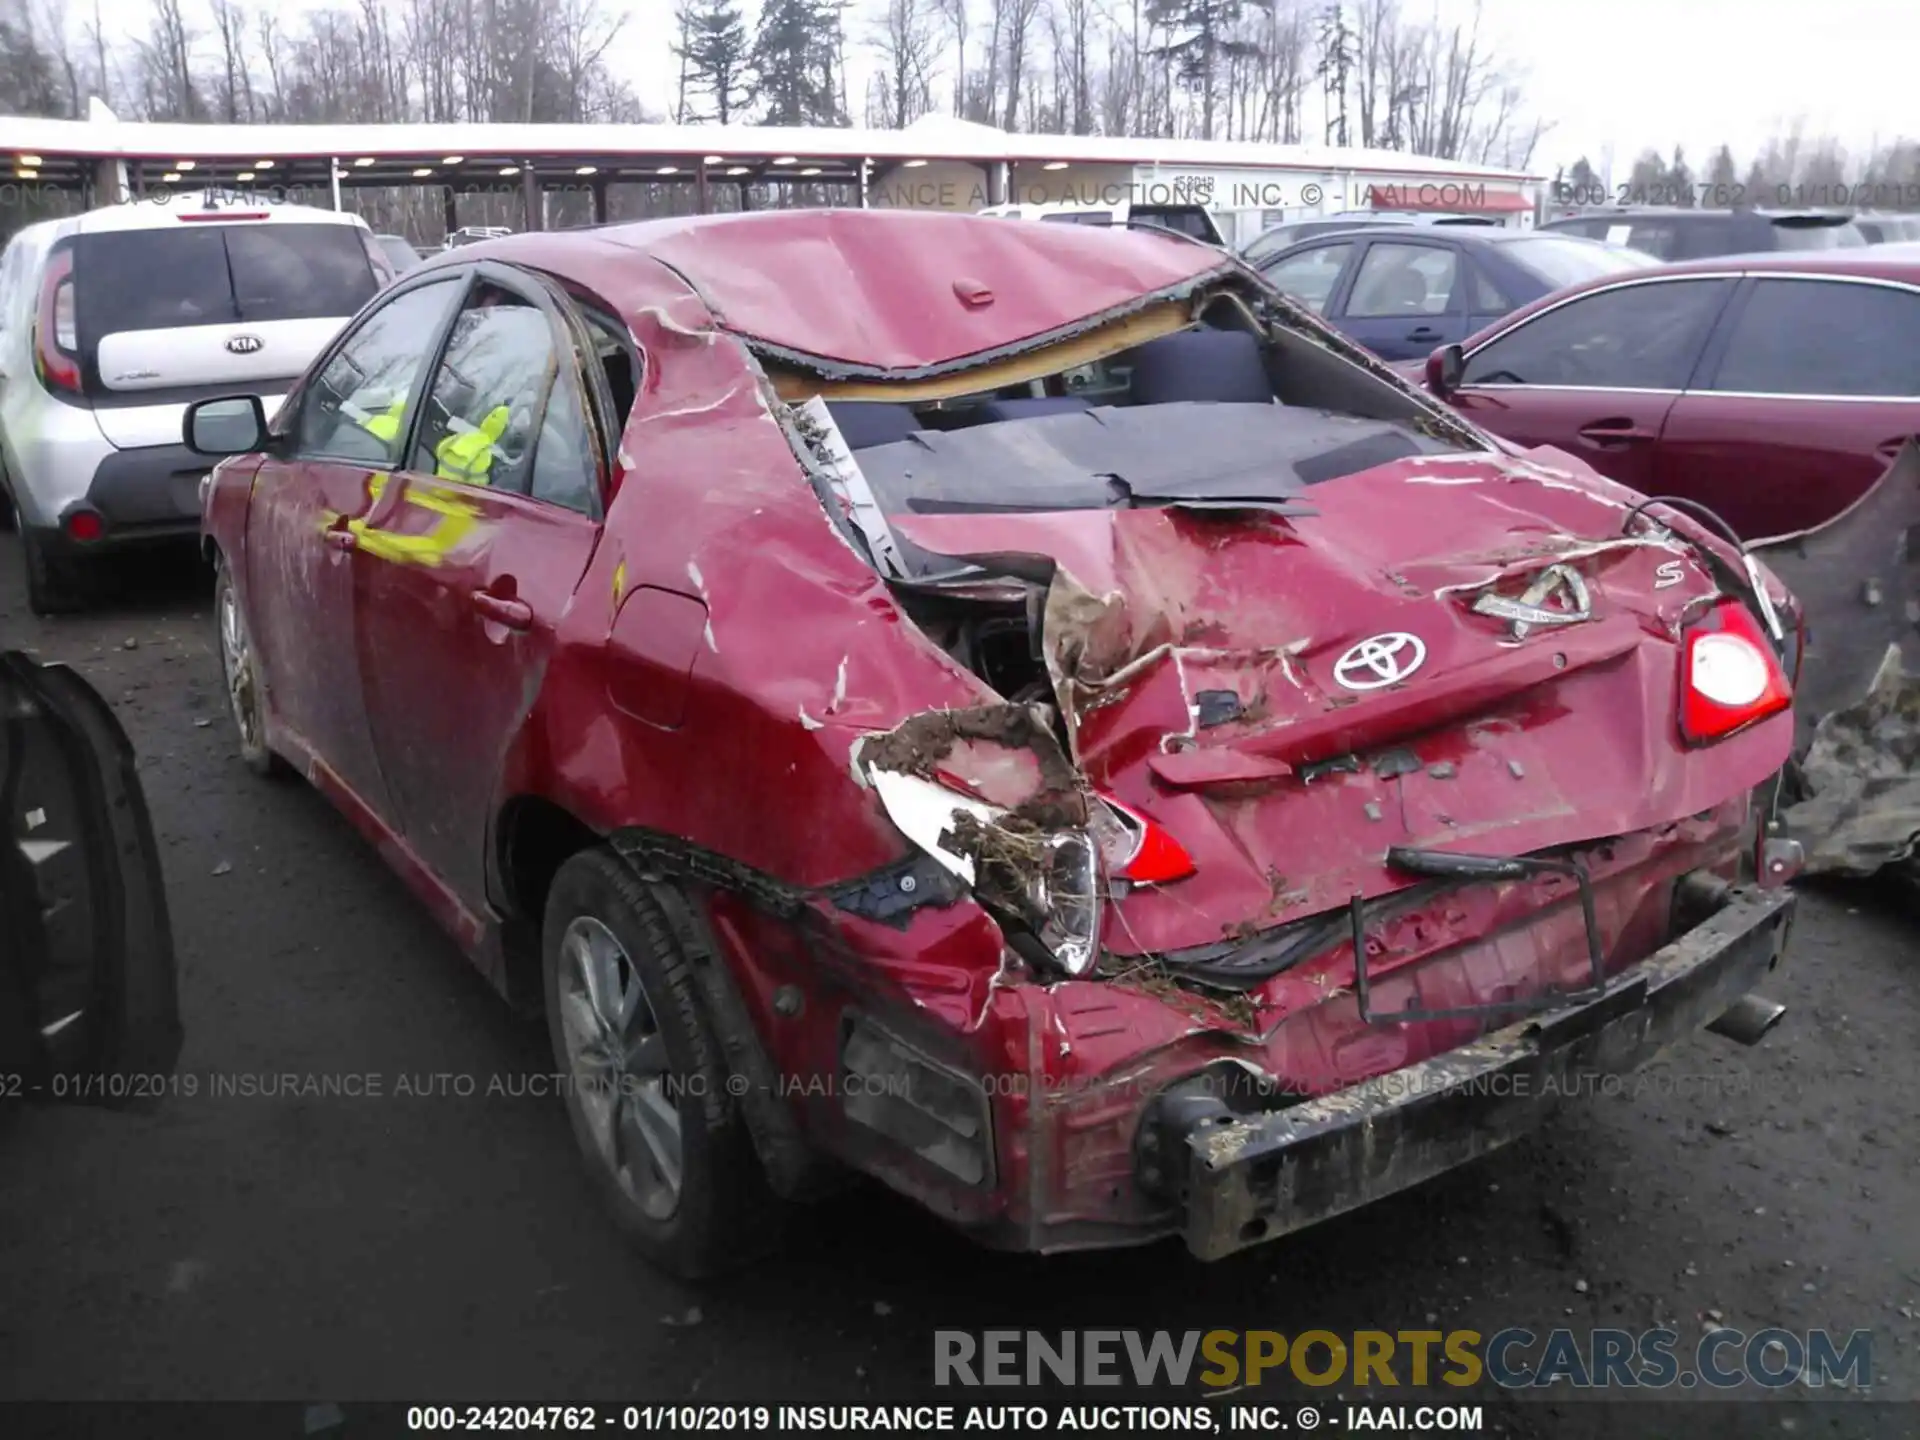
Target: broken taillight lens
{"points": [[1141, 849], [1730, 677], [1045, 882]]}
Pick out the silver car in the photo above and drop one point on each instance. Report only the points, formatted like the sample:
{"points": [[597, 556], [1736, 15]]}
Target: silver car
{"points": [[112, 321]]}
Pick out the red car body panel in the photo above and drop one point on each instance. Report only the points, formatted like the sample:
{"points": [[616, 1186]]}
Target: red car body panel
{"points": [[914, 294], [705, 665], [1780, 465], [1770, 465]]}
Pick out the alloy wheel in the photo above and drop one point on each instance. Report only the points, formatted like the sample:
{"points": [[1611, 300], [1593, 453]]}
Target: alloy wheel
{"points": [[619, 1067], [236, 661]]}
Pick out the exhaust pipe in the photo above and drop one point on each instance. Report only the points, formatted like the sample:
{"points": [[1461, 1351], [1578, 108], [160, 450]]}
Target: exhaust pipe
{"points": [[1748, 1019]]}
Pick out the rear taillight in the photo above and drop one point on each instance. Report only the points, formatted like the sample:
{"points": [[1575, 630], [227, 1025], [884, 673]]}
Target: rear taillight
{"points": [[1730, 677], [1141, 850], [56, 335]]}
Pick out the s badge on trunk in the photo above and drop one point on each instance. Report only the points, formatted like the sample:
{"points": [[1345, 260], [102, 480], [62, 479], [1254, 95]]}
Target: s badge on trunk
{"points": [[1380, 660]]}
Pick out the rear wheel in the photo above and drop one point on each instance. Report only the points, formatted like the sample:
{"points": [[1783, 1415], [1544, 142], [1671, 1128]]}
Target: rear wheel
{"points": [[241, 672], [53, 587], [646, 1085]]}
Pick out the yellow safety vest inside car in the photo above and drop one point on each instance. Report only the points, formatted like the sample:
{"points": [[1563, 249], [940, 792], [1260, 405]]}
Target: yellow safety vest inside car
{"points": [[467, 455]]}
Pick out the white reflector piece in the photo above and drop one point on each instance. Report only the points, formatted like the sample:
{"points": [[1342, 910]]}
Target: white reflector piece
{"points": [[924, 812], [1728, 670]]}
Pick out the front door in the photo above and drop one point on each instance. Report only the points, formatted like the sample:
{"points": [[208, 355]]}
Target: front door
{"points": [[468, 563], [340, 444], [1597, 375]]}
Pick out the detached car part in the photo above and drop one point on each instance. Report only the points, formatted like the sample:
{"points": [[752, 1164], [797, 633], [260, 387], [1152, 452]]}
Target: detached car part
{"points": [[87, 981]]}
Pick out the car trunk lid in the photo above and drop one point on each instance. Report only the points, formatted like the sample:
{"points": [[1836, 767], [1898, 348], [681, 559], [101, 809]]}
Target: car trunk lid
{"points": [[1460, 653]]}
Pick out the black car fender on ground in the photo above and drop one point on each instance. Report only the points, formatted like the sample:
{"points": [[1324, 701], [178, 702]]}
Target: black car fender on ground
{"points": [[88, 996]]}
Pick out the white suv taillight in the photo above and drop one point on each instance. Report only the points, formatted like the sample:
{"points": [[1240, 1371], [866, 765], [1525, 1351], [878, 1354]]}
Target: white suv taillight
{"points": [[1730, 677], [56, 333]]}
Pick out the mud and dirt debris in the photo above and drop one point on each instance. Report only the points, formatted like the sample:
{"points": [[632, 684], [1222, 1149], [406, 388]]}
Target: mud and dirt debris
{"points": [[919, 745], [1006, 855], [1216, 1009]]}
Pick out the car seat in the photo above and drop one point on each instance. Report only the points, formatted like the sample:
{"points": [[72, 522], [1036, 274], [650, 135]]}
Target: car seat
{"points": [[1218, 366]]}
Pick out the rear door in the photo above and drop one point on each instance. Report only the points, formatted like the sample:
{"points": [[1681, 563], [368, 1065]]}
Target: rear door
{"points": [[1596, 374], [1407, 296], [1804, 401], [167, 315], [342, 444], [469, 561]]}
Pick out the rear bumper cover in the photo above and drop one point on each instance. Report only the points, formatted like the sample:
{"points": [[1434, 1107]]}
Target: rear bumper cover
{"points": [[151, 491], [1254, 1177], [143, 495]]}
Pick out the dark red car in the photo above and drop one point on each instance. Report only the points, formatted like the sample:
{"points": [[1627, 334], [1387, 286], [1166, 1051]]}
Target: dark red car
{"points": [[1775, 389], [952, 700]]}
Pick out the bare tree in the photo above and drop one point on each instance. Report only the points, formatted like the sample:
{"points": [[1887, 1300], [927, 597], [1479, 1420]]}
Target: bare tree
{"points": [[903, 39], [954, 12], [1013, 32]]}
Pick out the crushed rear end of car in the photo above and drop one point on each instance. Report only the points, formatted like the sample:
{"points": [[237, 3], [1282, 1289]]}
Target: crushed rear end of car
{"points": [[1289, 794]]}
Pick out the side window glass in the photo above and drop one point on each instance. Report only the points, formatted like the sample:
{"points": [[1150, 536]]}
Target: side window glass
{"points": [[1487, 299], [565, 471], [1637, 337], [1815, 337], [619, 361], [482, 409], [1310, 276], [356, 407], [1397, 280], [1654, 237]]}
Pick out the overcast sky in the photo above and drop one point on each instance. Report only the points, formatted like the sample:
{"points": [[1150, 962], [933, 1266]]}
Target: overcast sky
{"points": [[1625, 73]]}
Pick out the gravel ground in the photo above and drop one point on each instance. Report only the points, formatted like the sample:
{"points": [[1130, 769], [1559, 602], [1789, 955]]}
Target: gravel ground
{"points": [[449, 1247]]}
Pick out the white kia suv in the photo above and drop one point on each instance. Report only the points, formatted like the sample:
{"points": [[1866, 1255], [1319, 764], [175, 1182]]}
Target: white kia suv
{"points": [[113, 321]]}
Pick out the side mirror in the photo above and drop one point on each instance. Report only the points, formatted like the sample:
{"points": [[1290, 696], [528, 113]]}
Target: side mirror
{"points": [[1445, 366], [1444, 369], [232, 425]]}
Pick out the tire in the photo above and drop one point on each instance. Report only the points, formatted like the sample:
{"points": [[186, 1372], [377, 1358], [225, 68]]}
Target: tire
{"points": [[241, 676], [668, 1089], [52, 588]]}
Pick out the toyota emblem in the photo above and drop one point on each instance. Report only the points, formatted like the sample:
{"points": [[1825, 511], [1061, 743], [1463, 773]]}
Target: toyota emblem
{"points": [[245, 344], [1381, 660]]}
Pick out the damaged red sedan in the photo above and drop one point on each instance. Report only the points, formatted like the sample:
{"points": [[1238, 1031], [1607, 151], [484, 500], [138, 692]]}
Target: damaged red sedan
{"points": [[1021, 711]]}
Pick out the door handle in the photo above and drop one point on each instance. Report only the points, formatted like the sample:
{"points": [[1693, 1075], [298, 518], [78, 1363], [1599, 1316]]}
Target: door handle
{"points": [[1613, 432], [1423, 332], [514, 614]]}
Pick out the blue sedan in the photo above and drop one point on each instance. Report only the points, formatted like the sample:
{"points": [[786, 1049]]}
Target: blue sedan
{"points": [[1403, 291]]}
